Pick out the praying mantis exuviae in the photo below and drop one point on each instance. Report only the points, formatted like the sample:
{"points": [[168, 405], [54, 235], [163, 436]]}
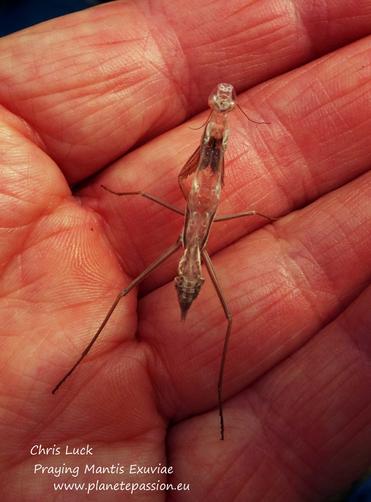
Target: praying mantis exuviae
{"points": [[201, 182]]}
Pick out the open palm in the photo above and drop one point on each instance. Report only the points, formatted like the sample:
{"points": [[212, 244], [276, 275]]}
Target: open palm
{"points": [[77, 94]]}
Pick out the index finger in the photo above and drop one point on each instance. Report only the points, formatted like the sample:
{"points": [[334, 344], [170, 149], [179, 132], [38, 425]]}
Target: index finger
{"points": [[96, 83]]}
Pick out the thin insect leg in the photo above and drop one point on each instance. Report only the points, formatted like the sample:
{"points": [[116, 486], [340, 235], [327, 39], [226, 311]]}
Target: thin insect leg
{"points": [[228, 315], [122, 293], [150, 197], [244, 213]]}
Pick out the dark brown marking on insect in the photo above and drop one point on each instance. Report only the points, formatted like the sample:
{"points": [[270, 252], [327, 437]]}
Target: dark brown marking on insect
{"points": [[211, 154]]}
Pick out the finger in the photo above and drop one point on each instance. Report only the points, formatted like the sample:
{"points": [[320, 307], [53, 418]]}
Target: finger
{"points": [[318, 140], [21, 204], [281, 288], [94, 84], [305, 425], [57, 275], [55, 264]]}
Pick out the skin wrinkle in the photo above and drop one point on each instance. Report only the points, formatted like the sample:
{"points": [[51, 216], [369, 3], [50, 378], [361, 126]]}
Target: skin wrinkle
{"points": [[323, 14], [340, 224], [236, 240], [306, 164], [124, 229], [290, 266], [238, 454], [297, 15], [147, 124], [329, 103], [187, 58], [340, 382], [351, 61], [25, 169], [349, 441], [18, 198], [246, 6], [11, 153], [340, 221], [151, 36], [330, 282], [351, 337], [297, 402], [283, 446], [275, 358], [123, 226], [68, 439], [324, 105], [336, 381], [5, 264], [77, 123], [114, 43], [53, 413], [181, 83], [352, 438], [267, 21], [174, 400], [258, 38], [219, 323], [366, 93], [96, 86], [292, 201], [321, 319], [308, 169], [273, 31], [36, 75], [266, 432], [81, 104], [163, 402], [27, 237], [273, 304], [266, 428], [277, 397], [73, 88], [190, 404], [22, 289], [297, 76], [46, 303], [91, 40], [306, 292], [15, 374], [238, 311], [10, 123], [103, 347], [244, 489], [207, 355], [44, 213], [13, 419]]}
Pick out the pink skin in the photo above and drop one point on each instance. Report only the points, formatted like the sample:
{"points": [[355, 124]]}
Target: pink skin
{"points": [[78, 93]]}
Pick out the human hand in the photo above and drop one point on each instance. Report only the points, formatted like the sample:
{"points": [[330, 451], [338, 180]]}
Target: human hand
{"points": [[97, 84]]}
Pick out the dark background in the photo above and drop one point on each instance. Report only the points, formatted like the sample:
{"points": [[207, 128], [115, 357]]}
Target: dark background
{"points": [[18, 14]]}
